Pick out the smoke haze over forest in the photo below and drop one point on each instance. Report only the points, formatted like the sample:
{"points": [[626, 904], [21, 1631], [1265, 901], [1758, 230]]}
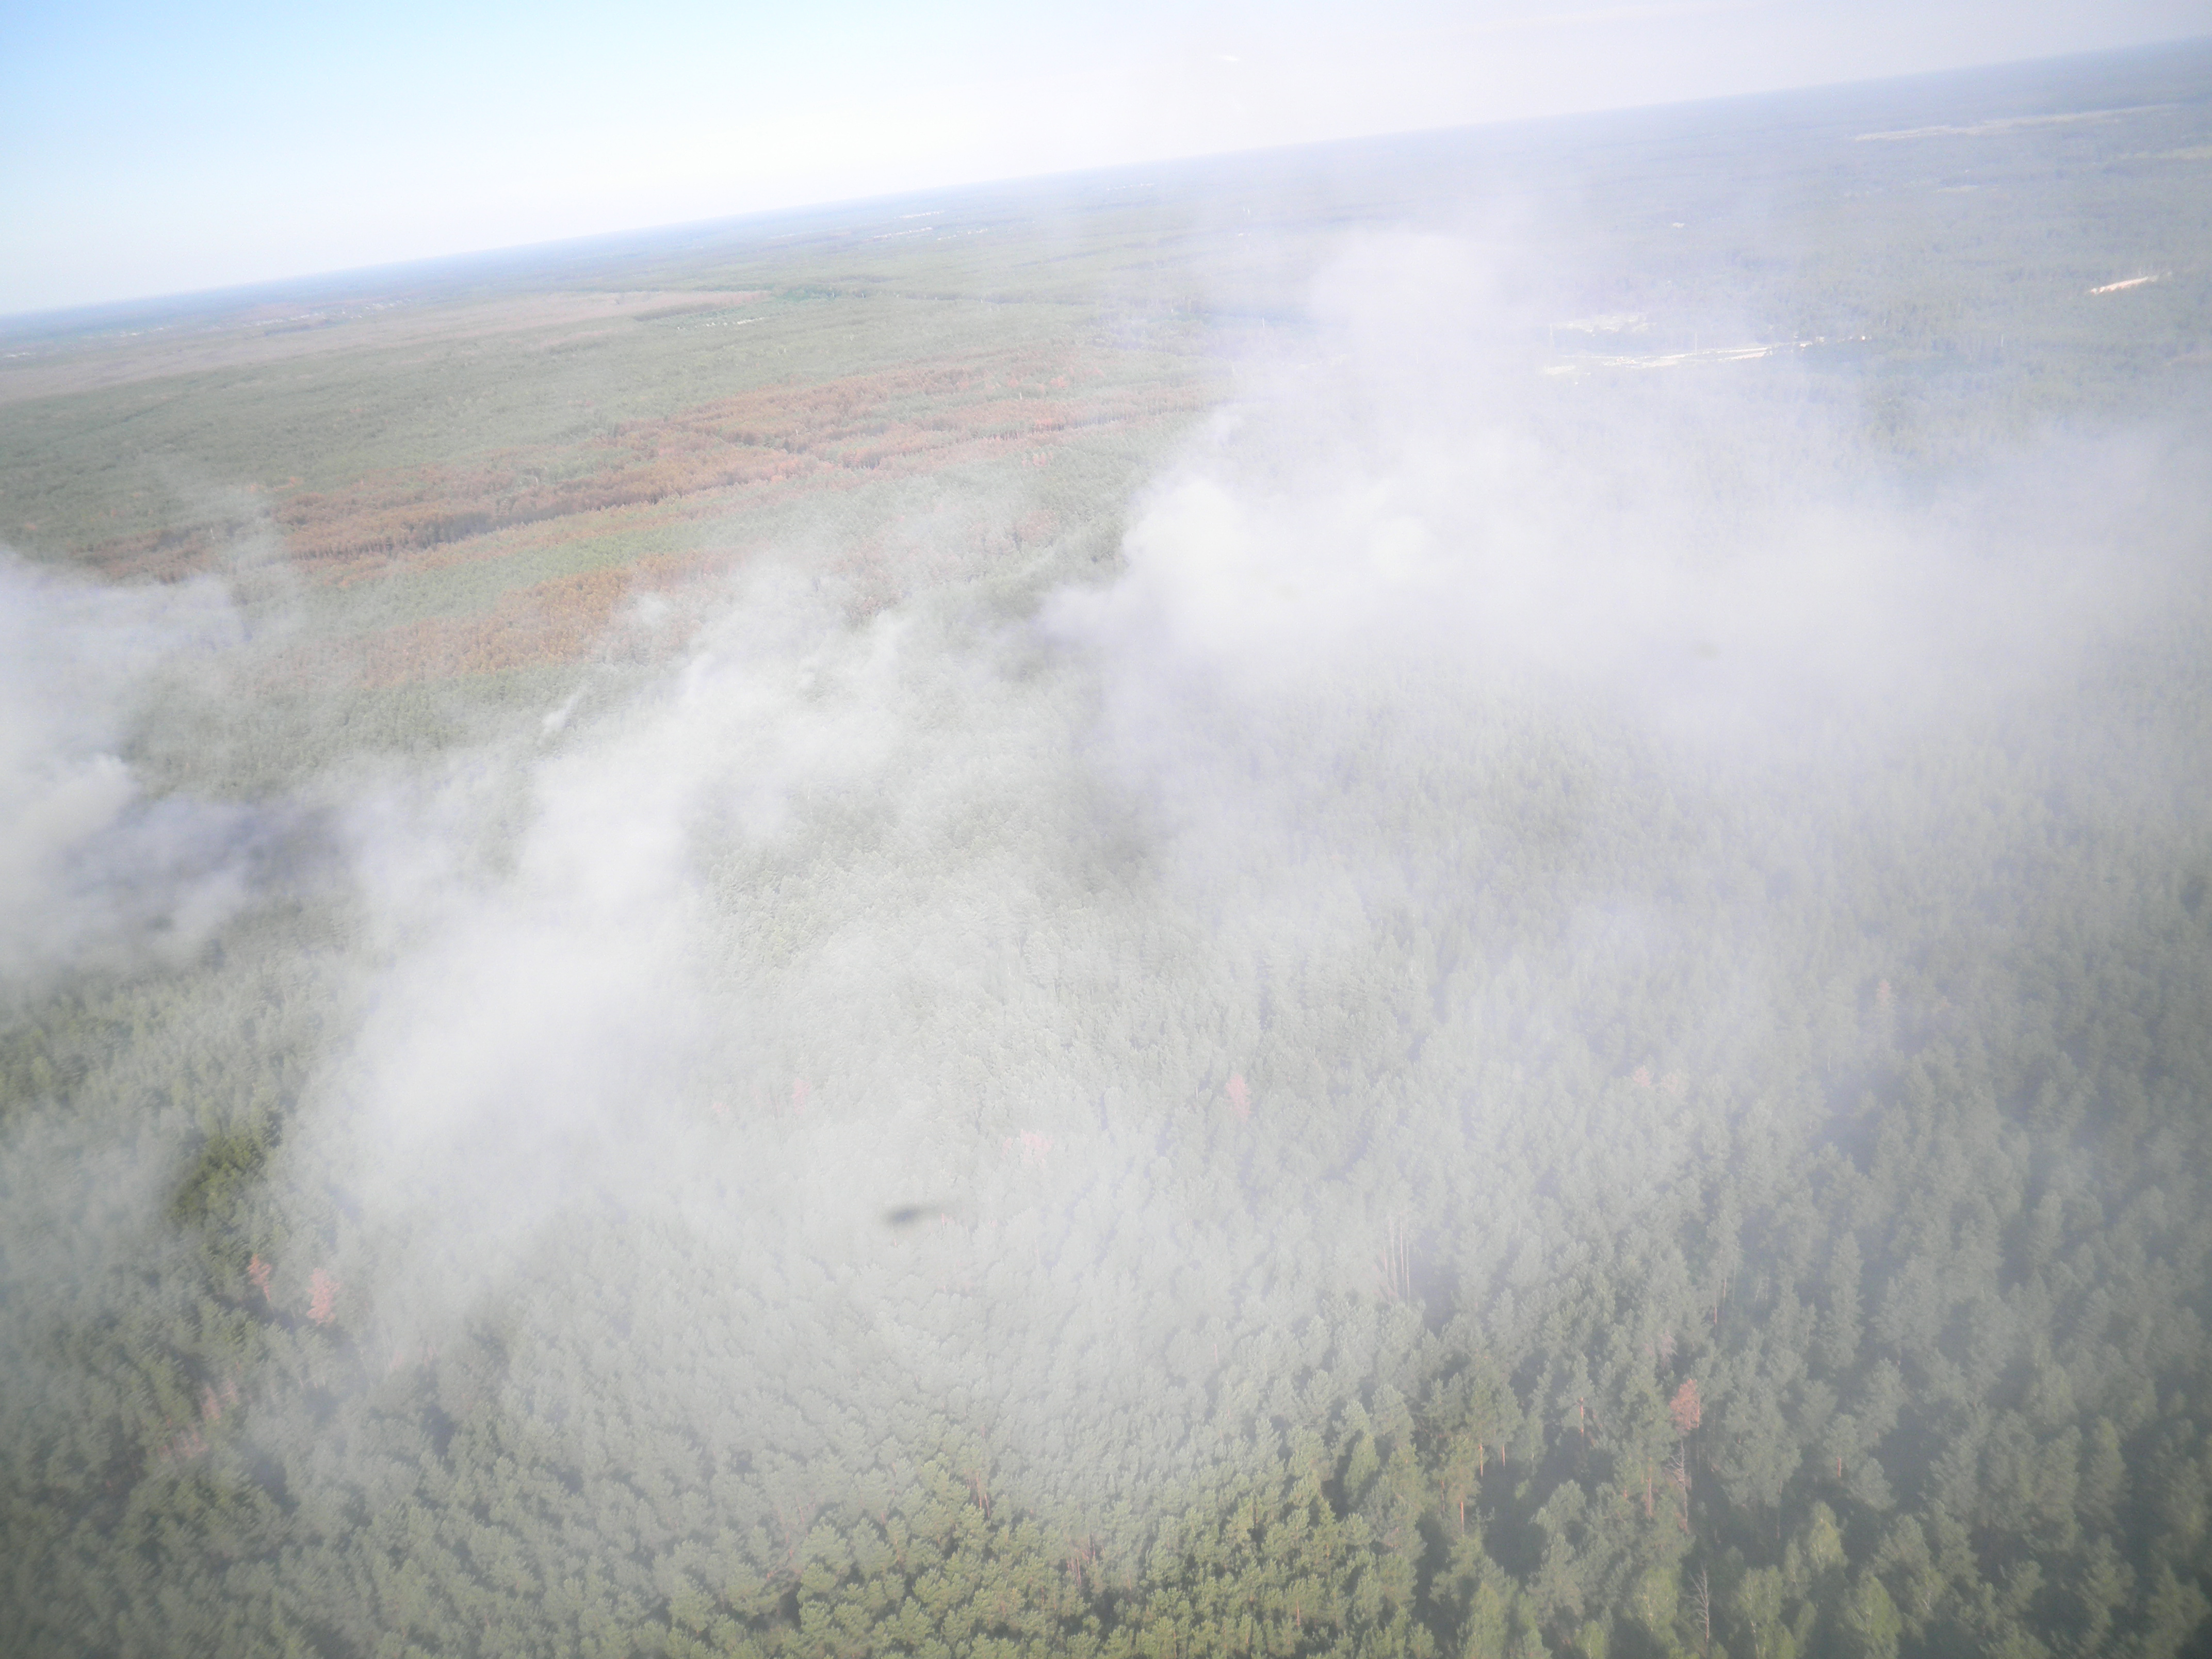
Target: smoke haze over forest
{"points": [[1448, 896]]}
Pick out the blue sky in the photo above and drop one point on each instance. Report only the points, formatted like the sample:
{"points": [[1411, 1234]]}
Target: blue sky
{"points": [[154, 150]]}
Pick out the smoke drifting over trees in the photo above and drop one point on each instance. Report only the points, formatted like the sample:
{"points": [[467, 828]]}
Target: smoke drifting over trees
{"points": [[1489, 997], [92, 870]]}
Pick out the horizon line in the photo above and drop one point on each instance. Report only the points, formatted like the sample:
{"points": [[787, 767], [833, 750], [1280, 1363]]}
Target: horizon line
{"points": [[90, 312]]}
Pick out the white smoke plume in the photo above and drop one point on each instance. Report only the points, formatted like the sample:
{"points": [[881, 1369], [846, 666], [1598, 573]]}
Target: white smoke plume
{"points": [[909, 1009], [93, 872], [829, 966]]}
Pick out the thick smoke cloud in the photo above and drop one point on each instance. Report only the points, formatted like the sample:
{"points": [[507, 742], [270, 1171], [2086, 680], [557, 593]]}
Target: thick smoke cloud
{"points": [[879, 1018], [1425, 556], [832, 962], [1715, 545], [95, 873]]}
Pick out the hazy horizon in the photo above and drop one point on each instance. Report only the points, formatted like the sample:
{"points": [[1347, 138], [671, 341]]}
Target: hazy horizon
{"points": [[138, 176], [1446, 896]]}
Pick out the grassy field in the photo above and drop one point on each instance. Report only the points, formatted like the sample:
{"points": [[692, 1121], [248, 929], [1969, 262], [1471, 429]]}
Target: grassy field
{"points": [[443, 493], [472, 466]]}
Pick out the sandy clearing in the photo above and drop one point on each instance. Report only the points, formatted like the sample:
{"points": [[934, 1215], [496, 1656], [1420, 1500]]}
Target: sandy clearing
{"points": [[2008, 123], [1736, 353], [1611, 322]]}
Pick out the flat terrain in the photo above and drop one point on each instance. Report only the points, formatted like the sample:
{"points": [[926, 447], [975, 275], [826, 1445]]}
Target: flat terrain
{"points": [[1442, 897], [483, 458]]}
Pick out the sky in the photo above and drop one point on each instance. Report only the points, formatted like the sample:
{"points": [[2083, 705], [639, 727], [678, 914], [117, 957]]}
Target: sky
{"points": [[154, 150]]}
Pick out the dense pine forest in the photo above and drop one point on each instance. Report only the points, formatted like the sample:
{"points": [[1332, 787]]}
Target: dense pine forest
{"points": [[1443, 898]]}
